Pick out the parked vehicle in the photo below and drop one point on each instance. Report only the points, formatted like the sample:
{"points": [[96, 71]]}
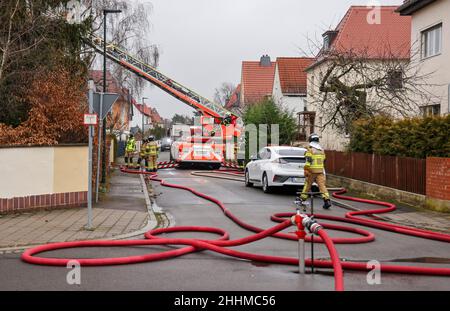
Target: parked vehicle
{"points": [[276, 167], [166, 143]]}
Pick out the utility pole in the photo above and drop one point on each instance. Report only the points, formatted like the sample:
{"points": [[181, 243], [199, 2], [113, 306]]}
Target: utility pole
{"points": [[105, 13]]}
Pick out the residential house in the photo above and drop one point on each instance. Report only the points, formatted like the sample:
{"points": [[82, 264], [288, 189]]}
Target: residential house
{"points": [[430, 33], [118, 122], [256, 80], [370, 42], [289, 86], [156, 118], [143, 116]]}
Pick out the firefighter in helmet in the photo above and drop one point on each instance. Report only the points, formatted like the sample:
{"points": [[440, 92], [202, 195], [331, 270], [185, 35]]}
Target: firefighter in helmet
{"points": [[130, 149], [227, 119], [152, 153], [315, 171], [143, 154]]}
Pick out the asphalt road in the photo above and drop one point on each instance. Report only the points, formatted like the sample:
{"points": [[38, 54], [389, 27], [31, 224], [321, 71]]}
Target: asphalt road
{"points": [[211, 271]]}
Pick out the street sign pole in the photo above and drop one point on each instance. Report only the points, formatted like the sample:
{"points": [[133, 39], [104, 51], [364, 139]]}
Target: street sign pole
{"points": [[91, 136], [99, 142]]}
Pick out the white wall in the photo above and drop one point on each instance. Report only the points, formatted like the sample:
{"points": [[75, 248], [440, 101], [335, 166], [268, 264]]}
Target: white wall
{"points": [[43, 170], [432, 14], [26, 171]]}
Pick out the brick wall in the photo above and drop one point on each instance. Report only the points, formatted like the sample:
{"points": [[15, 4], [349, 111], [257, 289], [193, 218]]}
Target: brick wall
{"points": [[438, 178], [71, 199]]}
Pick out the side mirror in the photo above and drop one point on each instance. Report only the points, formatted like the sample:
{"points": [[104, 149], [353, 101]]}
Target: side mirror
{"points": [[253, 158]]}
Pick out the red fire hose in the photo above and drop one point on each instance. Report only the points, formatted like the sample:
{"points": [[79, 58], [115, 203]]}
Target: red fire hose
{"points": [[221, 244]]}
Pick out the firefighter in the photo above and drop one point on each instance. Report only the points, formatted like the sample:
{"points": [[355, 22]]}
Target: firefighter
{"points": [[228, 119], [130, 149], [152, 152], [143, 154], [314, 170]]}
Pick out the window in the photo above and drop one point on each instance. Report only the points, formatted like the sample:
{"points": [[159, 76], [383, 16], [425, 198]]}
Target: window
{"points": [[305, 124], [432, 41], [395, 79], [326, 43], [433, 110]]}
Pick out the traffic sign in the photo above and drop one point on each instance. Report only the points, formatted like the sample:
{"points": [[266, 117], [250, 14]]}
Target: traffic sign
{"points": [[108, 100], [90, 119]]}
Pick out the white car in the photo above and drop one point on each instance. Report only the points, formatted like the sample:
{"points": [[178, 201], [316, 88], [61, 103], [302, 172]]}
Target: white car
{"points": [[276, 167]]}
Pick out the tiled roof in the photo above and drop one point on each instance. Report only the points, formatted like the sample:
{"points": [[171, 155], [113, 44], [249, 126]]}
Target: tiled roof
{"points": [[234, 99], [112, 85], [257, 81], [156, 118], [150, 112], [391, 38], [144, 109], [292, 74]]}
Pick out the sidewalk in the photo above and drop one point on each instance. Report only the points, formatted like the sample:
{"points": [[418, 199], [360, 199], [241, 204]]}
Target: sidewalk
{"points": [[407, 216], [123, 212]]}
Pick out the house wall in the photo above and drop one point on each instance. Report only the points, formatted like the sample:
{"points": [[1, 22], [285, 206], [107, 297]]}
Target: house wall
{"points": [[332, 138], [121, 114], [43, 177], [295, 103], [432, 14]]}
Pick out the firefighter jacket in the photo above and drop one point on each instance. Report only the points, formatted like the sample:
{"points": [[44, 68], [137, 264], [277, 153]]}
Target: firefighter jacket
{"points": [[131, 145], [152, 148], [142, 152], [315, 160]]}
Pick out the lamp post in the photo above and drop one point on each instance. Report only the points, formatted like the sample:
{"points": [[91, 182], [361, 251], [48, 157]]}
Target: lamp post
{"points": [[105, 13]]}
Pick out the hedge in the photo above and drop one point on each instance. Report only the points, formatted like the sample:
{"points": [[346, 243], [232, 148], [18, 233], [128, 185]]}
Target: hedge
{"points": [[413, 137]]}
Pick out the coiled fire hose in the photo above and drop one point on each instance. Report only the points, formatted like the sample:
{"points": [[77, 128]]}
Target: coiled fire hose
{"points": [[221, 244]]}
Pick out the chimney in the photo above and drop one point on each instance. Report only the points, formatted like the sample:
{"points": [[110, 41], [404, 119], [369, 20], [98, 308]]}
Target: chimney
{"points": [[265, 61]]}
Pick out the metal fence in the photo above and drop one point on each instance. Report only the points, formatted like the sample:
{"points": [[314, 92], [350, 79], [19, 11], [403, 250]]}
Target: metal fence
{"points": [[408, 174]]}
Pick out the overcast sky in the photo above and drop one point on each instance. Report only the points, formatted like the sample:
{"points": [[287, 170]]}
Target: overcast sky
{"points": [[203, 42]]}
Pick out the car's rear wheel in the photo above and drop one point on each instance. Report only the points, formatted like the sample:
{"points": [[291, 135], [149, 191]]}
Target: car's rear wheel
{"points": [[265, 183], [247, 179]]}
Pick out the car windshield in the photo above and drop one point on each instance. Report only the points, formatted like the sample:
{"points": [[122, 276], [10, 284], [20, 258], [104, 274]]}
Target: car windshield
{"points": [[291, 152]]}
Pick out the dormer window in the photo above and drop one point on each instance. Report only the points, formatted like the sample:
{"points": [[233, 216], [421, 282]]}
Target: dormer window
{"points": [[328, 38]]}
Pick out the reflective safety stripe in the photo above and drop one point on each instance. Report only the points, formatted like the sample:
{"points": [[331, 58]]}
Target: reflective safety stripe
{"points": [[315, 160]]}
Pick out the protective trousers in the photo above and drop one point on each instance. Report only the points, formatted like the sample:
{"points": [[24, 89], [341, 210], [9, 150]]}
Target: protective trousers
{"points": [[321, 182], [152, 165], [129, 159]]}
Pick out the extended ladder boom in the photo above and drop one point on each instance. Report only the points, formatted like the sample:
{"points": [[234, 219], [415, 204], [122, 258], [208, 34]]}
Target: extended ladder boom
{"points": [[149, 73]]}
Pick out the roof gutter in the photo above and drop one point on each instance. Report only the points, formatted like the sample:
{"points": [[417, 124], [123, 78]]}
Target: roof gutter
{"points": [[412, 6]]}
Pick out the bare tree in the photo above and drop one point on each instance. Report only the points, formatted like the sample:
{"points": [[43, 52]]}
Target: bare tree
{"points": [[223, 93], [16, 30], [348, 85], [130, 30]]}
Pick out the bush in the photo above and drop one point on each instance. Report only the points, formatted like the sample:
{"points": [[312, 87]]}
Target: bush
{"points": [[414, 137], [58, 102]]}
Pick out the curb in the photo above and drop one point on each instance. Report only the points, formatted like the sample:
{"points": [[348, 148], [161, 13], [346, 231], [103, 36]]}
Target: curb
{"points": [[387, 219], [152, 223]]}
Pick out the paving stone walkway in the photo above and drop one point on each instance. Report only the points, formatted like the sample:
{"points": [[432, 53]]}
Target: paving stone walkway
{"points": [[122, 211]]}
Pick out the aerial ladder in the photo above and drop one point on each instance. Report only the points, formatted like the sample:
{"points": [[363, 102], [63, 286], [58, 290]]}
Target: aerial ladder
{"points": [[177, 90], [206, 108]]}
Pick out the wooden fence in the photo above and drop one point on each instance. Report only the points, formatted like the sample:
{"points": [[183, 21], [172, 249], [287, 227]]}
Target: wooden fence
{"points": [[408, 174]]}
